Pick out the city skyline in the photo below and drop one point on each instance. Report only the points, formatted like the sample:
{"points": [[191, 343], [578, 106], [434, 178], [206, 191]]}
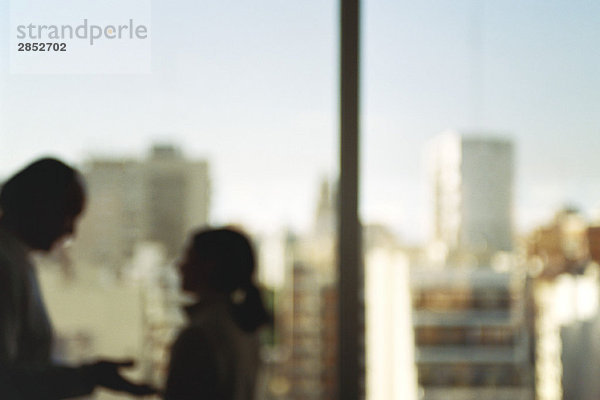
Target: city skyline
{"points": [[277, 225], [262, 80]]}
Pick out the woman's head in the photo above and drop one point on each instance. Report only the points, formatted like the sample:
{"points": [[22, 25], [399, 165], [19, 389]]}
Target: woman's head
{"points": [[221, 261]]}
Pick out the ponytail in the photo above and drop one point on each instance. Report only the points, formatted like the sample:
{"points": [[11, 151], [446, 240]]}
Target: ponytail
{"points": [[249, 312]]}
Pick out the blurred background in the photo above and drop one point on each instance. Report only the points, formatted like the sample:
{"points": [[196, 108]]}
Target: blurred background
{"points": [[479, 190]]}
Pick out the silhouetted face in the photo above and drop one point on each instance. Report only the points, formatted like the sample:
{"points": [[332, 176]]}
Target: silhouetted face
{"points": [[217, 261], [51, 224], [192, 274]]}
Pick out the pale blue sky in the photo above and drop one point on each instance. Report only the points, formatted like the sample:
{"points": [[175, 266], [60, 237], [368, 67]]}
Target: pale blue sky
{"points": [[253, 87]]}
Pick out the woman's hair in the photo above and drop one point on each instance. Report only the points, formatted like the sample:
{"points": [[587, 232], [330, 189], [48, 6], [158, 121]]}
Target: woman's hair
{"points": [[232, 261]]}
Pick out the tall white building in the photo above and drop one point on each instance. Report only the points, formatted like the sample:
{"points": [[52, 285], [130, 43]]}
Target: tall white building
{"points": [[391, 371], [472, 192]]}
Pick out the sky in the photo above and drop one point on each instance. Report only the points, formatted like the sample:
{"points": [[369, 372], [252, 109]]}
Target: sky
{"points": [[252, 87]]}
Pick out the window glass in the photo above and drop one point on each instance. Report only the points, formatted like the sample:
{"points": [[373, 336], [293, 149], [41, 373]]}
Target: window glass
{"points": [[236, 124], [480, 128]]}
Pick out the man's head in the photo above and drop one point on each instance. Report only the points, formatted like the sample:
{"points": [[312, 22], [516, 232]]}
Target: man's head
{"points": [[41, 203]]}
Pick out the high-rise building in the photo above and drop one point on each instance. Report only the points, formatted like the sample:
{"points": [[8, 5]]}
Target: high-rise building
{"points": [[308, 308], [470, 309], [158, 199], [472, 192], [471, 333], [389, 346], [567, 318]]}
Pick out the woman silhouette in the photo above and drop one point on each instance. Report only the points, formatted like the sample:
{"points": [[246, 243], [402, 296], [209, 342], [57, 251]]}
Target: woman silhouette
{"points": [[217, 355]]}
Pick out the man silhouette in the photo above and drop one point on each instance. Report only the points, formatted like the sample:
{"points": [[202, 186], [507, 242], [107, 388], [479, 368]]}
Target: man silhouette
{"points": [[39, 207]]}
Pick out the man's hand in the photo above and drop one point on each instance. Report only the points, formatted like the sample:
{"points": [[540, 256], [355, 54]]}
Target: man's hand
{"points": [[106, 374]]}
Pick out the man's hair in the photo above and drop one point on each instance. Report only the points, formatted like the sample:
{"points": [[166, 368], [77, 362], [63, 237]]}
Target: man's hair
{"points": [[42, 185]]}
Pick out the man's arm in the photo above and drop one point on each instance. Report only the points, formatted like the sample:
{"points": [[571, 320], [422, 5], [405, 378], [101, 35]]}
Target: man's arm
{"points": [[44, 383], [54, 382]]}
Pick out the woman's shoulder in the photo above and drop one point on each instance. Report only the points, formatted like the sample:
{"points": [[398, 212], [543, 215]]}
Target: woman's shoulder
{"points": [[210, 318]]}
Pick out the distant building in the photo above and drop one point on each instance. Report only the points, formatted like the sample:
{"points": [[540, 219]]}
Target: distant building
{"points": [[158, 199], [136, 221], [390, 354], [307, 315], [563, 257], [305, 369], [580, 352], [325, 215], [329, 342], [471, 306], [471, 333], [472, 192]]}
